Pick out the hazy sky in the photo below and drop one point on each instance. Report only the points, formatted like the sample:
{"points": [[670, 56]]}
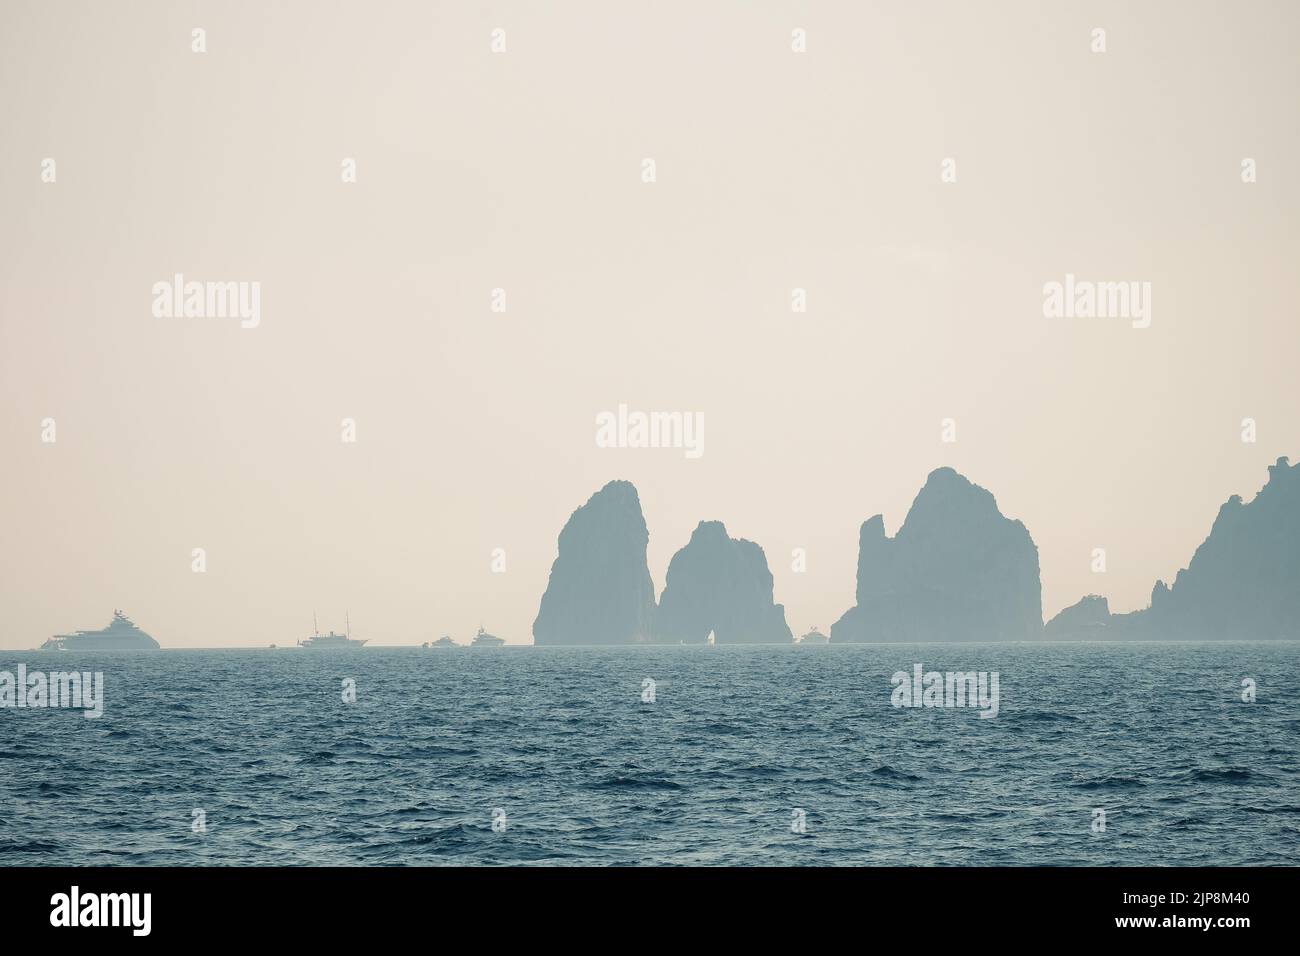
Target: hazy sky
{"points": [[522, 170]]}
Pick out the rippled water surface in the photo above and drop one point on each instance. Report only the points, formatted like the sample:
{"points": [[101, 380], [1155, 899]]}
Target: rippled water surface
{"points": [[586, 773]]}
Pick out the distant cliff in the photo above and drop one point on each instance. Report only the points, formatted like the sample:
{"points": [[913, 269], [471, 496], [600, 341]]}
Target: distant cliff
{"points": [[1243, 582], [956, 571], [600, 590], [721, 584]]}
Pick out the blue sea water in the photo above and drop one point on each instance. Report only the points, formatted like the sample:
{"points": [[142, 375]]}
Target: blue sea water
{"points": [[736, 740]]}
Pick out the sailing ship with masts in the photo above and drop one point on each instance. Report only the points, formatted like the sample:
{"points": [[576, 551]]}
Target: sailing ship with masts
{"points": [[331, 641]]}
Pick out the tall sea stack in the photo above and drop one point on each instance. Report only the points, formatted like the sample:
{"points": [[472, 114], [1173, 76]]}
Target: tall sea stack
{"points": [[957, 570], [721, 584], [600, 590]]}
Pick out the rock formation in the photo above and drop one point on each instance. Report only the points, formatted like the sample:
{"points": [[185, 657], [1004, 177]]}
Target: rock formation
{"points": [[1243, 582], [957, 570], [1088, 618], [600, 590], [720, 584]]}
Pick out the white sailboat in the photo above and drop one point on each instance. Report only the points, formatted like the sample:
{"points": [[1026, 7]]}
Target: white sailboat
{"points": [[712, 639]]}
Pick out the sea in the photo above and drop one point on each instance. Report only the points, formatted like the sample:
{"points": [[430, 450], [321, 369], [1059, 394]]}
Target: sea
{"points": [[699, 756]]}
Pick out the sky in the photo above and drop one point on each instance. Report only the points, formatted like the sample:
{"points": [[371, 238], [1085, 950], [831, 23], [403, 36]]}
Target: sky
{"points": [[524, 170]]}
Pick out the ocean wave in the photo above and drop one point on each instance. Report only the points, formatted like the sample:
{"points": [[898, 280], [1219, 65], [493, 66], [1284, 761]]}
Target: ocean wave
{"points": [[890, 773], [1224, 775], [1112, 782], [634, 783]]}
